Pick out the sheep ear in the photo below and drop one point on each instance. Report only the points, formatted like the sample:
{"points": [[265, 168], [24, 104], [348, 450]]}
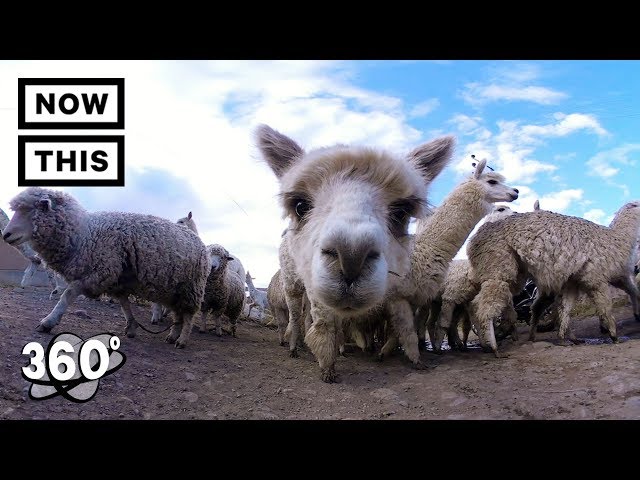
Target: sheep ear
{"points": [[278, 150], [44, 204], [536, 205], [479, 168], [230, 258], [189, 216], [432, 157]]}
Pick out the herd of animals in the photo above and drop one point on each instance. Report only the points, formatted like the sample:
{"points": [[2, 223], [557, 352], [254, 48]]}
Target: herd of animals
{"points": [[350, 271]]}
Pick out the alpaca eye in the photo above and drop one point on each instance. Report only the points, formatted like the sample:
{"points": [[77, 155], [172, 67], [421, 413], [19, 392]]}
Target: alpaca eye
{"points": [[302, 208], [492, 182], [501, 209], [399, 215]]}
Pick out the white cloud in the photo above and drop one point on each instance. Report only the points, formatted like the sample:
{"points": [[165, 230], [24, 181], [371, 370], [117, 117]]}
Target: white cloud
{"points": [[607, 164], [511, 83], [189, 126], [511, 150], [560, 201], [423, 109], [595, 215]]}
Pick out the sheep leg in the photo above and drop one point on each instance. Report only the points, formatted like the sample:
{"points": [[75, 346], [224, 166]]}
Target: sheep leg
{"points": [[389, 346], [402, 317], [176, 329], [187, 325], [322, 340], [218, 323], [511, 316], [132, 325], [453, 337], [466, 328], [28, 274], [602, 302], [294, 304], [629, 286], [539, 305], [156, 313], [203, 324], [442, 325], [66, 300]]}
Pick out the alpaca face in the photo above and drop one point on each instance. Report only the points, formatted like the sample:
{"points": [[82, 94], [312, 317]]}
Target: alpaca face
{"points": [[188, 222], [495, 188], [349, 210]]}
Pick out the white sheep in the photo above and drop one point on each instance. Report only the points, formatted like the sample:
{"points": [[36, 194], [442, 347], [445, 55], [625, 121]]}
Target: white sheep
{"points": [[564, 255], [436, 243], [114, 253], [224, 293], [349, 208]]}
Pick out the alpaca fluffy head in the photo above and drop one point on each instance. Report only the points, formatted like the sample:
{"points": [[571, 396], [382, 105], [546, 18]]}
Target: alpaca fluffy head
{"points": [[493, 184], [40, 212], [349, 209], [498, 213]]}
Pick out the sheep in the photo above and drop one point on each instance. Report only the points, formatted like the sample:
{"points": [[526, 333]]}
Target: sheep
{"points": [[564, 255], [349, 208], [224, 293], [458, 291], [35, 262], [258, 297], [114, 253], [437, 242]]}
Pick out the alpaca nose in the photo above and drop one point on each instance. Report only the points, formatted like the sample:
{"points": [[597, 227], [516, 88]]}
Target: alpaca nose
{"points": [[353, 260], [516, 190], [6, 235]]}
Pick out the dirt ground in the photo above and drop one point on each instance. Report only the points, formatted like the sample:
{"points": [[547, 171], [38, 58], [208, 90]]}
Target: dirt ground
{"points": [[252, 376]]}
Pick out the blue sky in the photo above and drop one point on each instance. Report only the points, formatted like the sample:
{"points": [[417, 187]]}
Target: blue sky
{"points": [[565, 132]]}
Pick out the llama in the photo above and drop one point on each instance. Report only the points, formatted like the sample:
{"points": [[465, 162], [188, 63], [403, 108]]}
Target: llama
{"points": [[349, 208], [436, 243], [259, 297], [564, 255]]}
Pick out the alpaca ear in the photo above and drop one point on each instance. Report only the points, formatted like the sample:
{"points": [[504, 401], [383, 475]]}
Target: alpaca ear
{"points": [[44, 204], [479, 168], [189, 216], [432, 157], [277, 149], [536, 205]]}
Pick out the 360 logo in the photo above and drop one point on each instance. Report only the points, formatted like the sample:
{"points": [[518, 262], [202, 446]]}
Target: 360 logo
{"points": [[71, 367]]}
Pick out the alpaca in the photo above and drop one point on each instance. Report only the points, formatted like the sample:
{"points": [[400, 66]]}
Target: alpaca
{"points": [[259, 297], [349, 208], [564, 255], [458, 291], [436, 244]]}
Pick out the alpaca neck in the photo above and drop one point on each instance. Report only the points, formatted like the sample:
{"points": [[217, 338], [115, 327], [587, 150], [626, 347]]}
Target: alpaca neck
{"points": [[626, 226], [252, 289], [446, 230], [59, 240]]}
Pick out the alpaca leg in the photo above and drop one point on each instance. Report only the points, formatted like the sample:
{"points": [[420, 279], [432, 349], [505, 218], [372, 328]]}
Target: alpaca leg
{"points": [[294, 304], [602, 302], [453, 337], [28, 274], [282, 318], [629, 286], [218, 323], [66, 300], [566, 301], [132, 325], [539, 305], [389, 346], [187, 325], [511, 317], [322, 339], [402, 317], [420, 320], [442, 325], [487, 306], [156, 313]]}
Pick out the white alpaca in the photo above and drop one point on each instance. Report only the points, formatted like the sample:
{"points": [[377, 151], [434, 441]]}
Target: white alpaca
{"points": [[349, 209], [258, 297], [564, 255], [437, 242]]}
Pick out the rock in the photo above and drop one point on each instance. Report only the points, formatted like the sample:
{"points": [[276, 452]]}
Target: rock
{"points": [[541, 345], [189, 375], [403, 403], [82, 314], [191, 397], [385, 394]]}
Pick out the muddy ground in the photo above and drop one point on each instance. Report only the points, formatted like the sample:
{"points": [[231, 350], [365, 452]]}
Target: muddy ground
{"points": [[252, 377]]}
